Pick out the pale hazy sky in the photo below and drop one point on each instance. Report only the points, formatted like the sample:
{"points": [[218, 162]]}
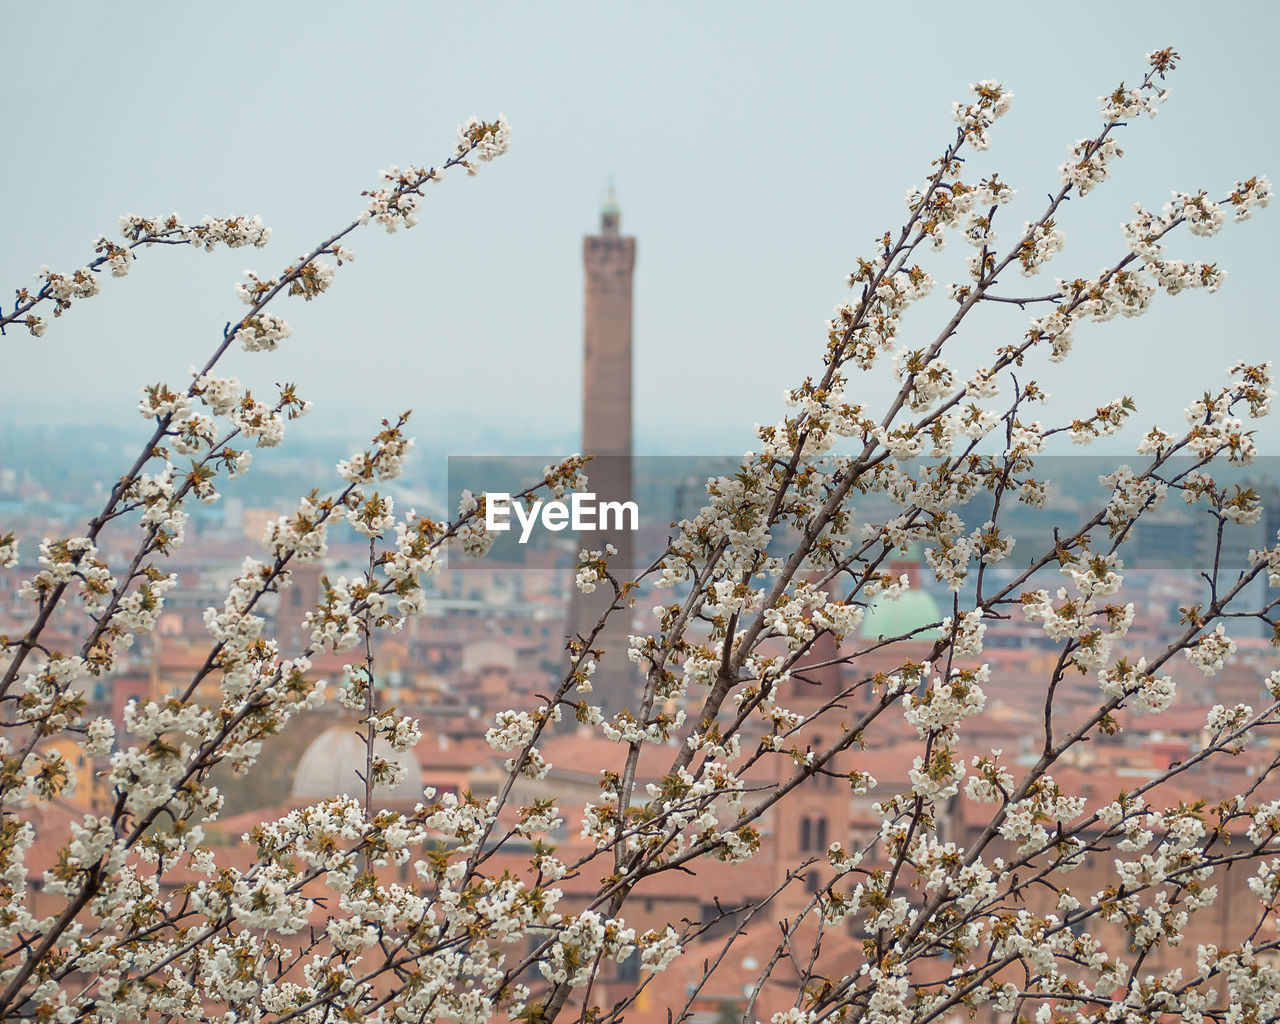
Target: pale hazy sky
{"points": [[756, 148]]}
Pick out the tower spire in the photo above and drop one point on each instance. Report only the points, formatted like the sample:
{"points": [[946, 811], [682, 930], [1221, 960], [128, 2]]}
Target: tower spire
{"points": [[610, 213]]}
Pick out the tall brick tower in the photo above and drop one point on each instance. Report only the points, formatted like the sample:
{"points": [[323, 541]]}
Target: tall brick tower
{"points": [[606, 434]]}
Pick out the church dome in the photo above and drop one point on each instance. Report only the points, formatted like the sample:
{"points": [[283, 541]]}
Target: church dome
{"points": [[329, 767], [898, 616]]}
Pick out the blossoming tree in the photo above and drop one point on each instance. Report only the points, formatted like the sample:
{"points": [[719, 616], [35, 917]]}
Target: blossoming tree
{"points": [[139, 920]]}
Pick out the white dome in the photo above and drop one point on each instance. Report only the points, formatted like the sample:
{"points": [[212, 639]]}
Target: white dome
{"points": [[329, 767]]}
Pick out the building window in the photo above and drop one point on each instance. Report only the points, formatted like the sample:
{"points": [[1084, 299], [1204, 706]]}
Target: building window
{"points": [[806, 838], [629, 969]]}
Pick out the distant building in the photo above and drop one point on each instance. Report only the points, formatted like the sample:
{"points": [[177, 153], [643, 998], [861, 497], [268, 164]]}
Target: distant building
{"points": [[335, 764], [608, 259]]}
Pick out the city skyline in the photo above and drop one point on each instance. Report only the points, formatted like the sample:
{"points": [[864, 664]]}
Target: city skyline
{"points": [[333, 739]]}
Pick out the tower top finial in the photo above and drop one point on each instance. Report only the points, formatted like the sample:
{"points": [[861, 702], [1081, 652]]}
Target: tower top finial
{"points": [[610, 214]]}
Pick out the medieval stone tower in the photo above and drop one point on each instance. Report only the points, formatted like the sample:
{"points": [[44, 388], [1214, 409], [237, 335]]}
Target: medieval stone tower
{"points": [[609, 260]]}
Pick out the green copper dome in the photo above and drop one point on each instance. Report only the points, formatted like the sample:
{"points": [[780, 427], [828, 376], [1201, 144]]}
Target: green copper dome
{"points": [[900, 615]]}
